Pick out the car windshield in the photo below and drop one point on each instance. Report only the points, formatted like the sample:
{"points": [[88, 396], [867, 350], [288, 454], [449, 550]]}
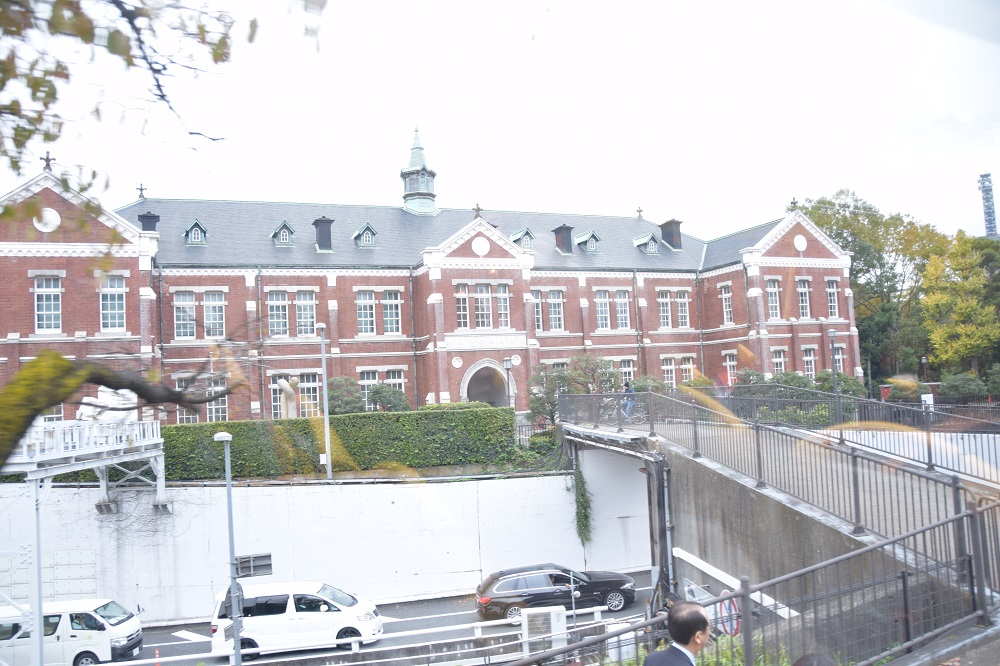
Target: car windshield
{"points": [[339, 597], [113, 612], [579, 575]]}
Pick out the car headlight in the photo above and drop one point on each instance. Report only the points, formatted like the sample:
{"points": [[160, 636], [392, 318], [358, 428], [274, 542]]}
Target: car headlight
{"points": [[366, 617], [629, 586], [118, 642]]}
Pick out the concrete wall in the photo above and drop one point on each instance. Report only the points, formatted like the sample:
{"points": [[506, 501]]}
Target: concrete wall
{"points": [[385, 541]]}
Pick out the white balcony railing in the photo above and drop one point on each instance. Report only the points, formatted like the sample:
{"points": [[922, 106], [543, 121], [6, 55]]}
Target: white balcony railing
{"points": [[70, 441]]}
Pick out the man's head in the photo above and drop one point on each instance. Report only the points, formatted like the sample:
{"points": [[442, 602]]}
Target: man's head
{"points": [[627, 385], [687, 623]]}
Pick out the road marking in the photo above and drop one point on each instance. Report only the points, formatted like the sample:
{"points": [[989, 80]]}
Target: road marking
{"points": [[191, 636], [422, 617]]}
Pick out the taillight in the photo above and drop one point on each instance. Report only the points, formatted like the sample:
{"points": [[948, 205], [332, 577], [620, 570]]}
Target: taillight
{"points": [[215, 628], [482, 601]]}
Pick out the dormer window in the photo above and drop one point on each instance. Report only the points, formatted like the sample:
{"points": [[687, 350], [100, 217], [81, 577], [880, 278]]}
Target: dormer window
{"points": [[196, 234], [365, 236], [523, 237], [651, 247], [526, 242], [646, 243], [592, 244], [283, 235], [587, 241]]}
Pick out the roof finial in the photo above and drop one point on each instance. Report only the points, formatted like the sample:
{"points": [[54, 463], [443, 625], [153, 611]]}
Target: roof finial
{"points": [[142, 191], [478, 211], [794, 205], [48, 161], [639, 210]]}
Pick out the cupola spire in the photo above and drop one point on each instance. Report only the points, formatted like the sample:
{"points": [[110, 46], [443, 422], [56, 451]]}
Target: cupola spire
{"points": [[418, 181]]}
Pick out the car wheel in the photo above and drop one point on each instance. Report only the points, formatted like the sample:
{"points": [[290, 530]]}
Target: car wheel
{"points": [[614, 600], [513, 611], [248, 644], [86, 659], [347, 632]]}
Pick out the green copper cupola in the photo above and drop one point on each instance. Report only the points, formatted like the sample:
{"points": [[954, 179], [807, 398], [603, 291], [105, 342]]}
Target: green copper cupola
{"points": [[418, 182]]}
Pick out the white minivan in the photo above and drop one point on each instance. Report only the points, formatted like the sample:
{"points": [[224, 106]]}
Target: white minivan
{"points": [[294, 616], [76, 633]]}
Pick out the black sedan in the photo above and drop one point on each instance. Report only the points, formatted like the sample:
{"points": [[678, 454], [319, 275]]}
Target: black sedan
{"points": [[505, 593]]}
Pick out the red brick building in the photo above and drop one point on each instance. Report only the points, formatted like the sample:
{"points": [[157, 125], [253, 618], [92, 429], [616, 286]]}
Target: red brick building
{"points": [[427, 299]]}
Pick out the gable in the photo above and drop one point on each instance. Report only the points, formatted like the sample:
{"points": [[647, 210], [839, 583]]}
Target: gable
{"points": [[46, 216], [796, 236], [481, 246]]}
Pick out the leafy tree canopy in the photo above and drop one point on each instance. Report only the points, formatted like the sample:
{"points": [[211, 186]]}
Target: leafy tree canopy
{"points": [[345, 396], [388, 398]]}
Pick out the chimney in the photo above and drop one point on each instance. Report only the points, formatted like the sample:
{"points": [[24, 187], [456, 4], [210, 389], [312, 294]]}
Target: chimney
{"points": [[324, 241], [564, 238], [148, 221], [671, 233]]}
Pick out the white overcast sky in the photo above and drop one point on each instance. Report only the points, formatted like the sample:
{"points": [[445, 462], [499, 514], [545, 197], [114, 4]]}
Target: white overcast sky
{"points": [[714, 113]]}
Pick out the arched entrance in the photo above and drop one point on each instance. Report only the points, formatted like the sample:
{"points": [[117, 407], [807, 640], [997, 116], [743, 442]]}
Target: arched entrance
{"points": [[486, 384]]}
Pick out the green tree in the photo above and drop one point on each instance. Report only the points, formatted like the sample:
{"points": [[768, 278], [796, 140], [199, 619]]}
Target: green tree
{"points": [[961, 388], [592, 374], [388, 398], [962, 327], [158, 37], [545, 386], [648, 383], [846, 384], [345, 396], [889, 254]]}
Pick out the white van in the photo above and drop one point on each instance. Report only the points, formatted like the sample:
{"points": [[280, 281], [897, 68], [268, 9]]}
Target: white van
{"points": [[77, 633], [294, 616]]}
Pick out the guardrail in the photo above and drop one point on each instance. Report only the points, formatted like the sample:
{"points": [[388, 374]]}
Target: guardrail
{"points": [[862, 608], [59, 440]]}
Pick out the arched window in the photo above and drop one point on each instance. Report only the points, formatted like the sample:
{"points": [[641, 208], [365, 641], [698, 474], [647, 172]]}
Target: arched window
{"points": [[283, 236], [196, 235], [367, 238], [526, 241], [651, 246], [592, 245]]}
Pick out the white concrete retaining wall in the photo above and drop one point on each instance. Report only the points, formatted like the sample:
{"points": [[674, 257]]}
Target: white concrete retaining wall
{"points": [[383, 541]]}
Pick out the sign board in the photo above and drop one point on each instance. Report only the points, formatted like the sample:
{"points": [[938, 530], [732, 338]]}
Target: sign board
{"points": [[724, 616], [729, 613], [253, 565]]}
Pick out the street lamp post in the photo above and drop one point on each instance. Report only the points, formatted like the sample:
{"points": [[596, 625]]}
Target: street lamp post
{"points": [[236, 605], [506, 367], [836, 379], [321, 329], [923, 364]]}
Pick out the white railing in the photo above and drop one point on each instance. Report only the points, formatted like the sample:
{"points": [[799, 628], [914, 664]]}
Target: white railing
{"points": [[57, 440]]}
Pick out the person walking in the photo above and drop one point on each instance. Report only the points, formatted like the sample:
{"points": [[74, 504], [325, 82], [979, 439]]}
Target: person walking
{"points": [[628, 402], [688, 626]]}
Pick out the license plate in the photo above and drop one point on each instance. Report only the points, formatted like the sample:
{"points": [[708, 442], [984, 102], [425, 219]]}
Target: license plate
{"points": [[136, 651]]}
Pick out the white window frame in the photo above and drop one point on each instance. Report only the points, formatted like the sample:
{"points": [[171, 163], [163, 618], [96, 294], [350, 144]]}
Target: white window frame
{"points": [[663, 304], [185, 415], [537, 297], [184, 315], [622, 315], [310, 404], [809, 363], [218, 409], [305, 313], [556, 322], [462, 306], [368, 379], [214, 311], [687, 368], [503, 306], [277, 313], [602, 309], [484, 306], [669, 372], [276, 395], [838, 358], [802, 287], [48, 304], [683, 309], [395, 379], [833, 306], [392, 309], [729, 363], [774, 299], [365, 302], [727, 304], [779, 361], [626, 367], [113, 290]]}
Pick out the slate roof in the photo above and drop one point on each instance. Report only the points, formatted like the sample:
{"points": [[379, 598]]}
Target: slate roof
{"points": [[239, 234]]}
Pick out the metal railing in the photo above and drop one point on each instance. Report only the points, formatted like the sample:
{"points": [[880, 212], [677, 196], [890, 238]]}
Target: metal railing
{"points": [[862, 608], [885, 497], [52, 441]]}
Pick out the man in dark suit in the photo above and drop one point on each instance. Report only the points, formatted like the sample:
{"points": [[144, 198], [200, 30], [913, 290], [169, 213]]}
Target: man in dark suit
{"points": [[687, 623]]}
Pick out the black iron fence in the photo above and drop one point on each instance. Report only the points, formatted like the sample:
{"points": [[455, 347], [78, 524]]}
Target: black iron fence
{"points": [[862, 608], [887, 497]]}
